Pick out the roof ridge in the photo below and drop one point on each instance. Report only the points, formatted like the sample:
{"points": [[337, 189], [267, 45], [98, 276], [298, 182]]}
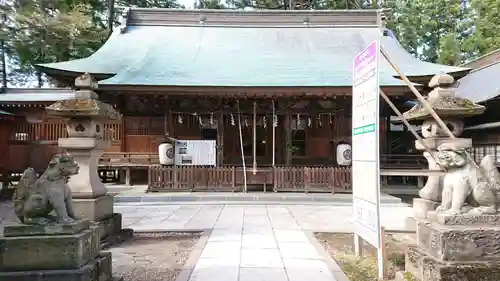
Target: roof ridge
{"points": [[134, 16], [243, 11], [484, 66], [493, 54]]}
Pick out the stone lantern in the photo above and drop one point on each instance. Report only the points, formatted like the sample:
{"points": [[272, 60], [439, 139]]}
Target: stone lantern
{"points": [[86, 143], [452, 110]]}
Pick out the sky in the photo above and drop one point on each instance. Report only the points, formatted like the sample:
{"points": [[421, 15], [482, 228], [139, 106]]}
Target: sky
{"points": [[187, 3]]}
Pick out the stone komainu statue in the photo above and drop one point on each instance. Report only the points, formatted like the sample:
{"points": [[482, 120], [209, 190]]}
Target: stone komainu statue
{"points": [[35, 198], [467, 183]]}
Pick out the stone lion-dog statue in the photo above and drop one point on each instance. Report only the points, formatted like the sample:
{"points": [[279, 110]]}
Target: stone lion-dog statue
{"points": [[35, 198], [467, 187]]}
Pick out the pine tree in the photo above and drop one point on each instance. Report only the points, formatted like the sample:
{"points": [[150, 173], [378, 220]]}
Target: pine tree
{"points": [[432, 30], [486, 35], [50, 31]]}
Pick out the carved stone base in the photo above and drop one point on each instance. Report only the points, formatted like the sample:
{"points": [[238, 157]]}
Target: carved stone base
{"points": [[99, 269], [459, 242], [422, 206], [427, 268], [465, 219], [49, 252], [94, 209], [50, 229]]}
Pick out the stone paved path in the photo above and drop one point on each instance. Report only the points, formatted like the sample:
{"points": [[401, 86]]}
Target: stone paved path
{"points": [[256, 243], [253, 242]]}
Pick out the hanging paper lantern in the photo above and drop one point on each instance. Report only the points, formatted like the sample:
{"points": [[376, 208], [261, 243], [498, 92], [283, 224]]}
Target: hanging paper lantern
{"points": [[179, 119]]}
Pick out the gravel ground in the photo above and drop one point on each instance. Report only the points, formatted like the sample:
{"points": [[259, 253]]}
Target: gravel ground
{"points": [[153, 256], [338, 245]]}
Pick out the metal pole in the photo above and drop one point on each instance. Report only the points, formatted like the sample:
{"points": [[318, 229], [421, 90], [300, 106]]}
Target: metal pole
{"points": [[241, 147]]}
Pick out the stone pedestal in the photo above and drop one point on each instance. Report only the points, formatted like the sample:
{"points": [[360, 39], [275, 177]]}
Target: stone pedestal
{"points": [[53, 252], [94, 209], [458, 248], [86, 152], [422, 206], [90, 199]]}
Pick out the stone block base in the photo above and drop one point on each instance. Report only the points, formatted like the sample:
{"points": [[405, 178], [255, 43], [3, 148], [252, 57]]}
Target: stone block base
{"points": [[410, 224], [50, 229], [465, 219], [49, 252], [99, 269], [109, 225], [421, 207], [111, 232], [94, 209], [117, 238], [466, 243], [427, 268]]}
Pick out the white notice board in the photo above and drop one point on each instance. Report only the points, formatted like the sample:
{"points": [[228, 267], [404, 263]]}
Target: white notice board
{"points": [[365, 145]]}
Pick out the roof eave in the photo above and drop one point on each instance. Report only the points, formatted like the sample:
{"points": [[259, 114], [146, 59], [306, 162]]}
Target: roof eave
{"points": [[56, 73], [425, 79]]}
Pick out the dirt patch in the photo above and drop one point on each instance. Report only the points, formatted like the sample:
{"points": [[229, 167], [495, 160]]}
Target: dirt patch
{"points": [[153, 256], [340, 246]]}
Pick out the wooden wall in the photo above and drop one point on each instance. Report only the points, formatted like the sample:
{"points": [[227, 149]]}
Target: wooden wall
{"points": [[141, 131], [33, 144]]}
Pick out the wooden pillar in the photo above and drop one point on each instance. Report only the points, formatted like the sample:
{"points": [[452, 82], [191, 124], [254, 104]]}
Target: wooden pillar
{"points": [[288, 138], [122, 135], [220, 139], [171, 125], [127, 176]]}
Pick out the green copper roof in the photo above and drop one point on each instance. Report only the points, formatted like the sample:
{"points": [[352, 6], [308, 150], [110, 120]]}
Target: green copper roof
{"points": [[158, 53], [481, 84], [10, 95]]}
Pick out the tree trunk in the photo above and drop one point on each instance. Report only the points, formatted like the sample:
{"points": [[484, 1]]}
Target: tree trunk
{"points": [[39, 79], [111, 16]]}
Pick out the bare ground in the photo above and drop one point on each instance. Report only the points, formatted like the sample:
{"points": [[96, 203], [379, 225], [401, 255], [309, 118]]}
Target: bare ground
{"points": [[153, 256], [340, 246]]}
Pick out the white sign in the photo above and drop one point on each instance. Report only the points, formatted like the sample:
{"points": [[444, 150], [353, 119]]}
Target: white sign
{"points": [[195, 152], [365, 146]]}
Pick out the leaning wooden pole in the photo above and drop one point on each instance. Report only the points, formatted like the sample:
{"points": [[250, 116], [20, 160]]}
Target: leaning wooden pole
{"points": [[241, 147], [274, 135], [410, 127], [254, 166], [426, 105], [419, 96]]}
